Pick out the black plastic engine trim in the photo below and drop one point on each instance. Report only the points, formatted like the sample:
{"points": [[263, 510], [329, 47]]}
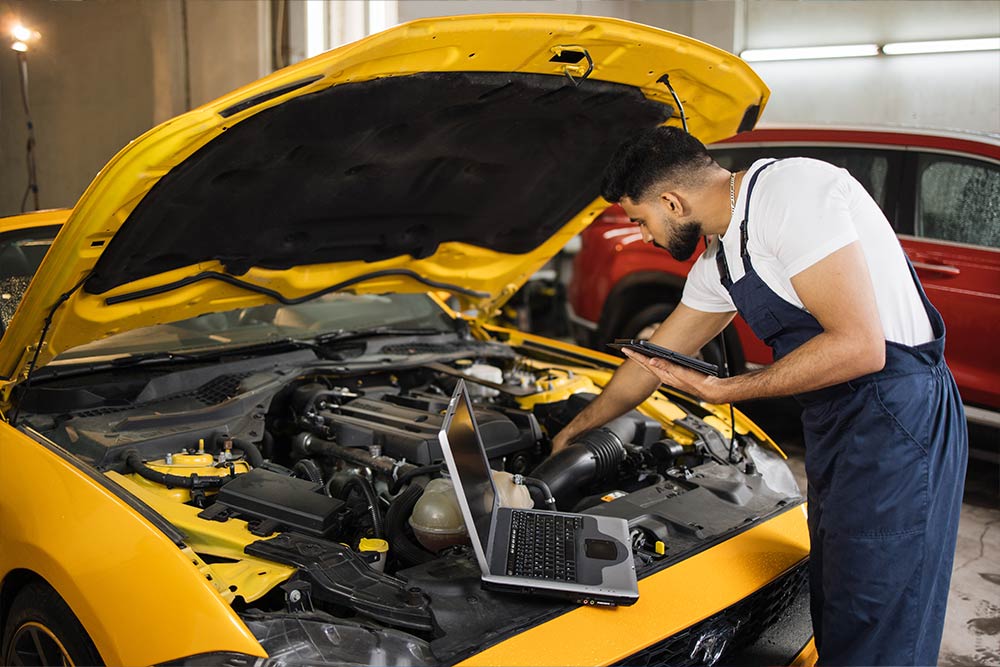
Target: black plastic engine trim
{"points": [[329, 567]]}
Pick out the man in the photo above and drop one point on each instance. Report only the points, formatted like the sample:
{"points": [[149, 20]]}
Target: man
{"points": [[806, 257]]}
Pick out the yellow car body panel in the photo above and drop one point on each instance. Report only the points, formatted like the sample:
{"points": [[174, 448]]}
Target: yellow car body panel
{"points": [[124, 579], [55, 216], [717, 89], [669, 601], [248, 577]]}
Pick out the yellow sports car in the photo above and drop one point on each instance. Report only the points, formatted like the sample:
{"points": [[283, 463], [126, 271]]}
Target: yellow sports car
{"points": [[223, 387]]}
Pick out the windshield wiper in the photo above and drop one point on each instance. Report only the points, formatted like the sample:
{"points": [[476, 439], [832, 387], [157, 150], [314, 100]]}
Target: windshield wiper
{"points": [[351, 334], [168, 357]]}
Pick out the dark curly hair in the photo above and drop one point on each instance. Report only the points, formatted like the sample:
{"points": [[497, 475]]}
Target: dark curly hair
{"points": [[650, 157]]}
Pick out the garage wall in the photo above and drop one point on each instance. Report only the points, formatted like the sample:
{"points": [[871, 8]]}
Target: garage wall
{"points": [[957, 90], [103, 73]]}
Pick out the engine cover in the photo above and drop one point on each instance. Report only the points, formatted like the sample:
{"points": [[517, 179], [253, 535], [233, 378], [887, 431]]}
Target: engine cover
{"points": [[406, 427]]}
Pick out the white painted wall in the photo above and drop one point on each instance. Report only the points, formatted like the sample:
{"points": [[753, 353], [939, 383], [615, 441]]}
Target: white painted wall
{"points": [[957, 90]]}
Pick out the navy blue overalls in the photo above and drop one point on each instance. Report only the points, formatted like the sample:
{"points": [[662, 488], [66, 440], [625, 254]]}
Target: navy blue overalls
{"points": [[885, 459]]}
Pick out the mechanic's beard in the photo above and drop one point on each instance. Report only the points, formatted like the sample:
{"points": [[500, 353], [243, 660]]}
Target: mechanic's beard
{"points": [[683, 242]]}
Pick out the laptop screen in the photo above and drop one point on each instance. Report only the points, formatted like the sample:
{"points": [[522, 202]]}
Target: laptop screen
{"points": [[472, 466]]}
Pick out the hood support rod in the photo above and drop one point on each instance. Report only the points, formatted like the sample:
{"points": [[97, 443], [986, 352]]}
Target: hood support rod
{"points": [[665, 80]]}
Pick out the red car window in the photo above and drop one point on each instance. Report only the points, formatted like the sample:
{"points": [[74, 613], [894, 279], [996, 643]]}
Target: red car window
{"points": [[959, 200]]}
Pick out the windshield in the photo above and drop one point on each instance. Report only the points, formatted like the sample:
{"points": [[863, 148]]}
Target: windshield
{"points": [[332, 313]]}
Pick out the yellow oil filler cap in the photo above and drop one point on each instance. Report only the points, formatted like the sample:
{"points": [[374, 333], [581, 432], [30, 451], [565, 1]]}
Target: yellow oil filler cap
{"points": [[660, 548], [377, 548]]}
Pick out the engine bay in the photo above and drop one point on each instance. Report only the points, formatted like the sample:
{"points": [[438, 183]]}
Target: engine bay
{"points": [[334, 470]]}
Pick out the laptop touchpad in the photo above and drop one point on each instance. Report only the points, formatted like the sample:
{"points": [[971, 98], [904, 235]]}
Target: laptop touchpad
{"points": [[601, 549]]}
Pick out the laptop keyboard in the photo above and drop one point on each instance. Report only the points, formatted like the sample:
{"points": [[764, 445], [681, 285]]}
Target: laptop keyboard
{"points": [[543, 546]]}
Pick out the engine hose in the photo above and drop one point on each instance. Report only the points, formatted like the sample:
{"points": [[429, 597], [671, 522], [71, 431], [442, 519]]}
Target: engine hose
{"points": [[307, 469], [267, 445], [310, 445], [593, 457], [250, 451], [399, 511], [547, 496], [368, 491], [404, 479], [135, 464]]}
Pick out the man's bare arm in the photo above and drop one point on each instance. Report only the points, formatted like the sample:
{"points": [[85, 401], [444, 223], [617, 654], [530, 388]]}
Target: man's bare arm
{"points": [[686, 330], [837, 291]]}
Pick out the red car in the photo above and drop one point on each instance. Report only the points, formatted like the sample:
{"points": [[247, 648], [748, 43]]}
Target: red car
{"points": [[940, 192]]}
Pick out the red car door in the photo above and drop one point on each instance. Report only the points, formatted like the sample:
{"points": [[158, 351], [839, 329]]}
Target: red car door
{"points": [[956, 252]]}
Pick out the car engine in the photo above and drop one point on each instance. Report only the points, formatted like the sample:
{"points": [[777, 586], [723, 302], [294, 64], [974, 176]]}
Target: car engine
{"points": [[337, 469]]}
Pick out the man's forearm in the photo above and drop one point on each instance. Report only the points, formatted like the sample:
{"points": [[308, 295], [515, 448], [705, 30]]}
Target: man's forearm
{"points": [[629, 387], [821, 362]]}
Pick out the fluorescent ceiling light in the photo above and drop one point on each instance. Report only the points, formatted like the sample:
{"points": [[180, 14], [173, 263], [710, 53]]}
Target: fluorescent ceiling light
{"points": [[942, 46], [810, 52]]}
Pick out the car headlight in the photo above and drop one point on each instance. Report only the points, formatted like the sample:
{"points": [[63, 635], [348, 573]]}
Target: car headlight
{"points": [[291, 642]]}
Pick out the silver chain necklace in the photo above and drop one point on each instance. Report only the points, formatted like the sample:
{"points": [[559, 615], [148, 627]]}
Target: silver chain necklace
{"points": [[732, 193]]}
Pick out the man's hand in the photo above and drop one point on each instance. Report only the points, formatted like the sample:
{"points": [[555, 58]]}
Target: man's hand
{"points": [[560, 442], [706, 387], [686, 330]]}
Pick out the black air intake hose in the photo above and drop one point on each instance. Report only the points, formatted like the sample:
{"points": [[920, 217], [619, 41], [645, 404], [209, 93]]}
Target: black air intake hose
{"points": [[399, 511], [593, 457]]}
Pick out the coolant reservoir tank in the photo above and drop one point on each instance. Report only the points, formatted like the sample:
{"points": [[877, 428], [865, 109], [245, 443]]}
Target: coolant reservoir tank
{"points": [[483, 372], [437, 520]]}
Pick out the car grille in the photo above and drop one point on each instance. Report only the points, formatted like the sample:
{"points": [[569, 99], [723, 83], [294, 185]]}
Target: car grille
{"points": [[213, 392], [718, 638]]}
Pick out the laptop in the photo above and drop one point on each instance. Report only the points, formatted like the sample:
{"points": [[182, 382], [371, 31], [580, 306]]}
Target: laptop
{"points": [[579, 557]]}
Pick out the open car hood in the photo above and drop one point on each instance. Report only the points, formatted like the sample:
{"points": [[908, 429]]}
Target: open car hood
{"points": [[454, 154]]}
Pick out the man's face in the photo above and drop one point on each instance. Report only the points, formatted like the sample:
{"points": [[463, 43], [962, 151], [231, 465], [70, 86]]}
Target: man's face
{"points": [[661, 225]]}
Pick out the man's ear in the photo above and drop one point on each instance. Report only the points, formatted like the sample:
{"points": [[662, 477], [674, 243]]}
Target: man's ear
{"points": [[672, 202]]}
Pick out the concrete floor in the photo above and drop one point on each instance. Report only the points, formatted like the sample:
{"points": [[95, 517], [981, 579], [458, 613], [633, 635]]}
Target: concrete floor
{"points": [[972, 624]]}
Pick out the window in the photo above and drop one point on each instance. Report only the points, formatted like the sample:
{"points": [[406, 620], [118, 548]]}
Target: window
{"points": [[21, 252], [958, 200], [870, 168]]}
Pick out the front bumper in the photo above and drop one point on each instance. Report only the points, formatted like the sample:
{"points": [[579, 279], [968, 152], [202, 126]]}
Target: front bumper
{"points": [[769, 627]]}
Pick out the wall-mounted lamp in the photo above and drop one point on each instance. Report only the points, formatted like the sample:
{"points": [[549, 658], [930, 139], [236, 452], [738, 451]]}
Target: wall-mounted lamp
{"points": [[20, 38], [864, 50]]}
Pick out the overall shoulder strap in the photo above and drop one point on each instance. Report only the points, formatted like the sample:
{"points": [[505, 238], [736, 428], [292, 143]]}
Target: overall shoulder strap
{"points": [[744, 235]]}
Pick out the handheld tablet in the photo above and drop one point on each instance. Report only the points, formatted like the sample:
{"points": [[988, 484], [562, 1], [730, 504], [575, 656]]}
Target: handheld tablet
{"points": [[648, 349]]}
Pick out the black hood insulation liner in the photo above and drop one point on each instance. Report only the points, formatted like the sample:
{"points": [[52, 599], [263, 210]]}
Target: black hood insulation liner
{"points": [[380, 169]]}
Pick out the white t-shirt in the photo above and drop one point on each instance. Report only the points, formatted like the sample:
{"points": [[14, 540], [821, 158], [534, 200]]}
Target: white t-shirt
{"points": [[802, 211]]}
